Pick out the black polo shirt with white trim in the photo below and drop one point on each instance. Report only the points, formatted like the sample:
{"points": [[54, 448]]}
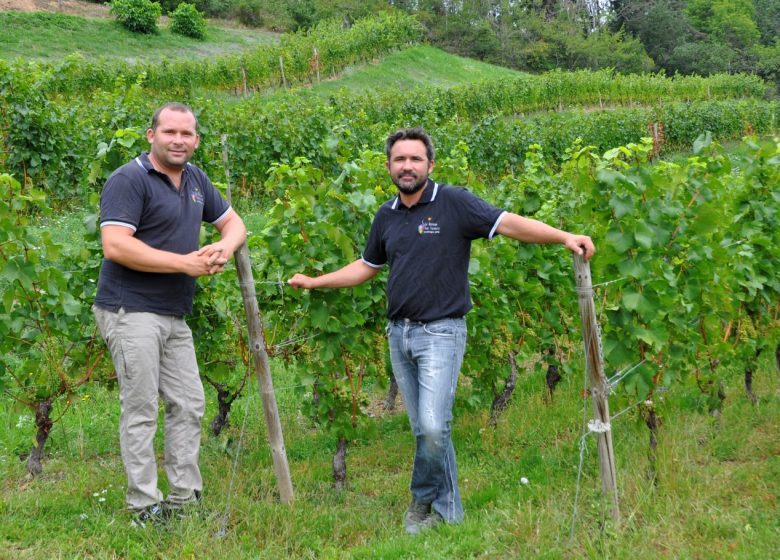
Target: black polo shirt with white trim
{"points": [[427, 248], [139, 197]]}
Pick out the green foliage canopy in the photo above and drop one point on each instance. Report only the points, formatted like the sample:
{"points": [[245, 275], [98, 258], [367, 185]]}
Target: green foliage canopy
{"points": [[187, 20], [139, 16]]}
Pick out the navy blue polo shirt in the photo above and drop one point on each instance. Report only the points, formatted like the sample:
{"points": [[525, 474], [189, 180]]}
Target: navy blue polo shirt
{"points": [[139, 197], [427, 248]]}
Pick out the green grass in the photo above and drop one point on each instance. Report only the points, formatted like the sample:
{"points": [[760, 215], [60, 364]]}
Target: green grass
{"points": [[51, 36], [716, 494], [417, 66], [408, 69]]}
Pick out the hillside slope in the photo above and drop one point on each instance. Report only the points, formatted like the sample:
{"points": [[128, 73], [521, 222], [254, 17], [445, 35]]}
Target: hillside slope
{"points": [[421, 65], [72, 7], [38, 30]]}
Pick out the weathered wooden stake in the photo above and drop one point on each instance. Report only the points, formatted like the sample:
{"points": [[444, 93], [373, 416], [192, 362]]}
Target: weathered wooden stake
{"points": [[599, 387], [281, 67], [260, 359]]}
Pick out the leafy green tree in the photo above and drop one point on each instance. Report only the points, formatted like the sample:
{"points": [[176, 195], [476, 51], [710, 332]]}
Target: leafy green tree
{"points": [[701, 57], [768, 61], [730, 23], [767, 17], [302, 13], [661, 26], [543, 46]]}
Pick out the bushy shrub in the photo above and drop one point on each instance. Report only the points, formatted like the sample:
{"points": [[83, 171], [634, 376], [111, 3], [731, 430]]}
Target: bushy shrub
{"points": [[249, 12], [187, 20], [139, 16], [215, 8], [209, 8], [303, 13]]}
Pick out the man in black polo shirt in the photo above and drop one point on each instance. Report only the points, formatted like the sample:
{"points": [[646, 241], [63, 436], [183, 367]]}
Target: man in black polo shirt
{"points": [[424, 235], [151, 210]]}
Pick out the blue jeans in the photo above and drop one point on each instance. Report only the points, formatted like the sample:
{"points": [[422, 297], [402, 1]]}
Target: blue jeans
{"points": [[426, 360]]}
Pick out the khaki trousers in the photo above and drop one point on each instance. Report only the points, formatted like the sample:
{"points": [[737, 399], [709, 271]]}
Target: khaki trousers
{"points": [[154, 357]]}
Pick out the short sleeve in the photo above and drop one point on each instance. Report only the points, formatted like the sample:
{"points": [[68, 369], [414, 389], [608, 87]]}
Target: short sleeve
{"points": [[121, 202], [375, 254], [478, 218], [215, 207]]}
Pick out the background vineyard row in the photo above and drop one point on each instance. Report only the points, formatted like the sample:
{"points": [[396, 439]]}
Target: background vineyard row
{"points": [[68, 146]]}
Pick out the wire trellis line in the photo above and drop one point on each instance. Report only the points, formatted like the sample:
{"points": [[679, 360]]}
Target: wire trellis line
{"points": [[613, 381], [609, 282], [615, 416]]}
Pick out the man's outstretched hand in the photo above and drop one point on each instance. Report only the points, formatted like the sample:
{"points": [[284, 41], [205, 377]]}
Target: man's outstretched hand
{"points": [[580, 245]]}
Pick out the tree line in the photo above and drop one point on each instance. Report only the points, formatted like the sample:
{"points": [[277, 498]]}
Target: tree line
{"points": [[675, 36], [685, 36]]}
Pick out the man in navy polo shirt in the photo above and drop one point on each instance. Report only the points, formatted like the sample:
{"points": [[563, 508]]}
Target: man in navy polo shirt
{"points": [[151, 210], [424, 235]]}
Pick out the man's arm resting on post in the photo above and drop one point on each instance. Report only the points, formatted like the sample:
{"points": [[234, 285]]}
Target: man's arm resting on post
{"points": [[233, 232], [120, 246], [534, 231], [353, 274]]}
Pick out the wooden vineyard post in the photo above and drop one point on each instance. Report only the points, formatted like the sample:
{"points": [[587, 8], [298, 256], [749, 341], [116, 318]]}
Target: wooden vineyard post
{"points": [[260, 359], [281, 68], [599, 387]]}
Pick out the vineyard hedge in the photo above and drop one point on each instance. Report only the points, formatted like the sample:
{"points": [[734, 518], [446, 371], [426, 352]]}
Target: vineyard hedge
{"points": [[258, 68], [69, 146]]}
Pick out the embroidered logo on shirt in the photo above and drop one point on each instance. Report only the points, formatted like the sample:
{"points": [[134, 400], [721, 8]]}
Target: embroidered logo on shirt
{"points": [[196, 196], [429, 227]]}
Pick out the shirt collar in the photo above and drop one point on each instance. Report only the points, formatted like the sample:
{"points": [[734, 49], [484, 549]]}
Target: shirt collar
{"points": [[428, 195], [146, 164]]}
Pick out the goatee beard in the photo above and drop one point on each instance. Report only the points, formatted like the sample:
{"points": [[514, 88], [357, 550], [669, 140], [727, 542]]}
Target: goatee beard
{"points": [[415, 187]]}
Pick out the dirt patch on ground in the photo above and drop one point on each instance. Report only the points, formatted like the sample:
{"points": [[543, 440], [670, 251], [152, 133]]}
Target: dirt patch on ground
{"points": [[72, 7]]}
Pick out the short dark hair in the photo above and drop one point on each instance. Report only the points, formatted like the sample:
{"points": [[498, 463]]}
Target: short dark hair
{"points": [[415, 133], [173, 106]]}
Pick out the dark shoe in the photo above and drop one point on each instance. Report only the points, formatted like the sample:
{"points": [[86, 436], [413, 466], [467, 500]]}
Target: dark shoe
{"points": [[154, 514], [181, 509], [434, 518], [415, 516]]}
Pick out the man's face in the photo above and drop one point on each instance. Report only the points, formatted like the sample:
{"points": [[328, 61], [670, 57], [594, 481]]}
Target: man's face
{"points": [[409, 165], [174, 140]]}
